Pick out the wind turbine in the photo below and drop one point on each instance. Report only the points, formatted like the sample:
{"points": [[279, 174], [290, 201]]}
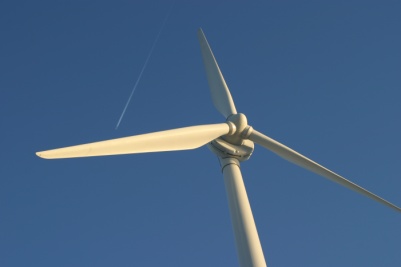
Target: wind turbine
{"points": [[232, 141]]}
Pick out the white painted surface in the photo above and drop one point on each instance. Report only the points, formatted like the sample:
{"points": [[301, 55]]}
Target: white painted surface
{"points": [[170, 140], [249, 249], [221, 95], [304, 162]]}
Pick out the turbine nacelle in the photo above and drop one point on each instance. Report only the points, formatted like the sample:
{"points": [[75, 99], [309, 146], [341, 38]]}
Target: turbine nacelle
{"points": [[224, 149]]}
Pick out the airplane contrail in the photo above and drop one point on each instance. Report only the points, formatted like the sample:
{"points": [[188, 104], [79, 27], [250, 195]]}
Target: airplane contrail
{"points": [[144, 66]]}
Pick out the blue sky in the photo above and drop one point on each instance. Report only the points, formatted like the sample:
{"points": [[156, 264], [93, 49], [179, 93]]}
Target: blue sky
{"points": [[321, 77]]}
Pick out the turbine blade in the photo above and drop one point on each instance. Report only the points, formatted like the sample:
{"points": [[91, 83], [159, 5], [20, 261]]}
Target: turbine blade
{"points": [[170, 140], [302, 161], [221, 96]]}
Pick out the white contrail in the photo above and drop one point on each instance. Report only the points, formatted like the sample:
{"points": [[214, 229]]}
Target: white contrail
{"points": [[144, 66]]}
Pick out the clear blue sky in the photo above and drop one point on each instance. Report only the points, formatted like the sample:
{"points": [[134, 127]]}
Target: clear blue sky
{"points": [[322, 77]]}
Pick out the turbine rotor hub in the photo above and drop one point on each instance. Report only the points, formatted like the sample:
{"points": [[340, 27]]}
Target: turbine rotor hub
{"points": [[239, 121], [224, 149], [241, 130], [235, 144]]}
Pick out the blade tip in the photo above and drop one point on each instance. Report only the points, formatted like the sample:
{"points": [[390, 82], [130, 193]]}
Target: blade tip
{"points": [[42, 154], [39, 154]]}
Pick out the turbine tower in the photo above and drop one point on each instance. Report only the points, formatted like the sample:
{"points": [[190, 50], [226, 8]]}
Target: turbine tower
{"points": [[232, 141]]}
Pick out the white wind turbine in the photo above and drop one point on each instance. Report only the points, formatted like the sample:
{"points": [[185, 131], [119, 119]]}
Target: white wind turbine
{"points": [[232, 141]]}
